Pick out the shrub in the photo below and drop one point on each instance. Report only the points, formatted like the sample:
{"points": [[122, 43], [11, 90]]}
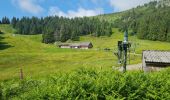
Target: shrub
{"points": [[92, 84], [1, 32]]}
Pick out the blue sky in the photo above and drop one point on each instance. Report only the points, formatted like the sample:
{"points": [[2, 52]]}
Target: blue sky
{"points": [[66, 8]]}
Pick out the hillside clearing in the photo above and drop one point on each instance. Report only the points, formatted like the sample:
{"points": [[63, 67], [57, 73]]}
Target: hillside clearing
{"points": [[38, 59]]}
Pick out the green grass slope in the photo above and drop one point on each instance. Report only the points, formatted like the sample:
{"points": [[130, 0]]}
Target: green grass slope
{"points": [[110, 17], [38, 59]]}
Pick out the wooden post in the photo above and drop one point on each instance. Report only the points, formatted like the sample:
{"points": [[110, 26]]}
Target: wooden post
{"points": [[125, 59], [21, 74], [125, 47]]}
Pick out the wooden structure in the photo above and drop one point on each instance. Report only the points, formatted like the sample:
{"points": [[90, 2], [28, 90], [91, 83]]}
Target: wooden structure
{"points": [[155, 60], [64, 45], [83, 45], [75, 45]]}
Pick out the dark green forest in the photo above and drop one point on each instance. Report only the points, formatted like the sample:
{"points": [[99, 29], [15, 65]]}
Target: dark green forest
{"points": [[61, 29], [151, 21]]}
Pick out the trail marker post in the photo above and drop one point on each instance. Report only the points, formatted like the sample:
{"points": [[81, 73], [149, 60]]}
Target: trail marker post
{"points": [[21, 74]]}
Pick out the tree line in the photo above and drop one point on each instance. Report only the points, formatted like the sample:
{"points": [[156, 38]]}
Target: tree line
{"points": [[54, 28], [5, 20]]}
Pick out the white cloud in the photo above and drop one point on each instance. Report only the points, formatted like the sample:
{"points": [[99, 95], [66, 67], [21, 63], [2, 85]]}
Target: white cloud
{"points": [[122, 5], [81, 12], [30, 6]]}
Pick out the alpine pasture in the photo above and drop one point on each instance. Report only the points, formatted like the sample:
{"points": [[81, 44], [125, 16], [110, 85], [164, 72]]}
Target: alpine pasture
{"points": [[38, 59]]}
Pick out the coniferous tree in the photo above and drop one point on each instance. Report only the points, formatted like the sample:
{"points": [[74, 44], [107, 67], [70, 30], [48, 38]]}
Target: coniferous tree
{"points": [[14, 21], [1, 32], [5, 20], [57, 35]]}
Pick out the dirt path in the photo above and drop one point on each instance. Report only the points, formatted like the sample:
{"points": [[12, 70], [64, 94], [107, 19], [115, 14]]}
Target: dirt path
{"points": [[131, 67], [135, 67]]}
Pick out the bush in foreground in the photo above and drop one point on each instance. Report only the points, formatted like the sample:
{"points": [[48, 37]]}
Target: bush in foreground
{"points": [[90, 84]]}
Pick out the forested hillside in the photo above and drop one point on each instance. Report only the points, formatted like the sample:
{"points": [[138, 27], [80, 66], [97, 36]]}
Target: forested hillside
{"points": [[151, 21]]}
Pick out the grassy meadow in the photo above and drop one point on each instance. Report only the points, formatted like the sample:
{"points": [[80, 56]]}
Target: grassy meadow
{"points": [[38, 59]]}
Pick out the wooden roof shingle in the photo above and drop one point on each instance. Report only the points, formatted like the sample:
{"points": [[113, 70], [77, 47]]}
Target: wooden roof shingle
{"points": [[156, 56]]}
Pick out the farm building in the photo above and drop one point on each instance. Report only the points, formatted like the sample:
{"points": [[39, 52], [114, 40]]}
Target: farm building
{"points": [[83, 45], [155, 60]]}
